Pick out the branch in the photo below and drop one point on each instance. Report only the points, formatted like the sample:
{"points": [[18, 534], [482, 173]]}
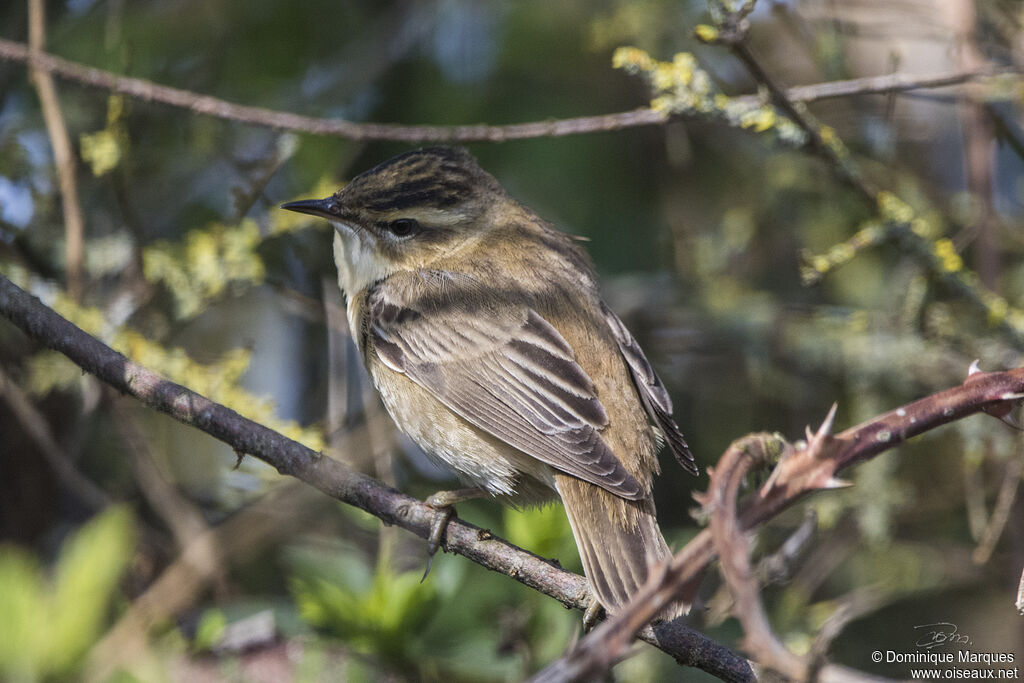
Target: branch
{"points": [[801, 470], [733, 550], [888, 83], [38, 321], [63, 156], [258, 116]]}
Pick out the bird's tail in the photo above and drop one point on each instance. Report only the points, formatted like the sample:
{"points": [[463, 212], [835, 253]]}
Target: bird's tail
{"points": [[619, 542]]}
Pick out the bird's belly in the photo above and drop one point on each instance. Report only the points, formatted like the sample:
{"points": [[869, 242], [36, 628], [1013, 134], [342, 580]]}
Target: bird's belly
{"points": [[477, 457]]}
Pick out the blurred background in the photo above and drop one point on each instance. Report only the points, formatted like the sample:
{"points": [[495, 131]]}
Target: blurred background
{"points": [[132, 544]]}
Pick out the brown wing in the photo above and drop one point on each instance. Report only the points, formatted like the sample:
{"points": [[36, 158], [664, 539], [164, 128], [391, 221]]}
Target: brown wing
{"points": [[652, 392], [507, 371]]}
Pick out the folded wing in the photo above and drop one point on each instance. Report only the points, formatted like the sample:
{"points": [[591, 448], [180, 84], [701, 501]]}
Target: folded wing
{"points": [[507, 371], [652, 392]]}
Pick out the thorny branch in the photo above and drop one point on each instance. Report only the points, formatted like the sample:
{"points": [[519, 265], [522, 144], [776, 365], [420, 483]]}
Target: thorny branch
{"points": [[802, 469], [733, 550], [212, 106], [688, 646]]}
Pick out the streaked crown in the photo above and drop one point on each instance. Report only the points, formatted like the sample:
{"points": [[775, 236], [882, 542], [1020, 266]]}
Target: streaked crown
{"points": [[429, 178]]}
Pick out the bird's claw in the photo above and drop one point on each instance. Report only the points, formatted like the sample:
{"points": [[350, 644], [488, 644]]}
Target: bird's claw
{"points": [[443, 503], [592, 615], [443, 515]]}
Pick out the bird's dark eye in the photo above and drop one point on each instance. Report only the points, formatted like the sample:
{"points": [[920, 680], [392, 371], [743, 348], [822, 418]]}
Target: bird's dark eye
{"points": [[404, 227]]}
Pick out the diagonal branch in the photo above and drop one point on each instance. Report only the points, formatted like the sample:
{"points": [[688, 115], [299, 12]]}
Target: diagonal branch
{"points": [[38, 321]]}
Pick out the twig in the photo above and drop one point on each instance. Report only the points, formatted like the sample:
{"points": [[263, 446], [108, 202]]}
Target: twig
{"points": [[861, 602], [63, 156], [183, 519], [333, 478], [885, 84], [212, 106], [979, 149], [778, 567], [35, 424], [733, 33], [1001, 511]]}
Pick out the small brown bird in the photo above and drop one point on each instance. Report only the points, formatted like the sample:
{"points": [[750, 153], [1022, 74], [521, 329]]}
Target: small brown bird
{"points": [[484, 332]]}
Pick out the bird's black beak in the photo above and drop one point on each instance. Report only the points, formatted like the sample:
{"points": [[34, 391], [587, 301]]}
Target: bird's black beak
{"points": [[325, 208]]}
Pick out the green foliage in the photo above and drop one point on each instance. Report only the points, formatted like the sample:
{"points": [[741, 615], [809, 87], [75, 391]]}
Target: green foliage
{"points": [[210, 629], [544, 530], [104, 149], [682, 87], [382, 617], [209, 261], [52, 618]]}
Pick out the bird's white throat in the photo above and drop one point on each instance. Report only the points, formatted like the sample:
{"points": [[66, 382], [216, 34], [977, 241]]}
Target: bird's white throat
{"points": [[359, 262]]}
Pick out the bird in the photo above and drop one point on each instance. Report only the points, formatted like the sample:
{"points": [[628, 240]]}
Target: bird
{"points": [[485, 334]]}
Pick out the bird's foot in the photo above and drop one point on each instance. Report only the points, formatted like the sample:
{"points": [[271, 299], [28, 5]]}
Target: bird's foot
{"points": [[444, 504], [592, 615]]}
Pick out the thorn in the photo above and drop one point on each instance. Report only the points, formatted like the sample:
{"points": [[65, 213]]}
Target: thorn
{"points": [[1010, 421], [772, 478], [826, 427], [974, 369], [1002, 411], [816, 442], [239, 457], [834, 483]]}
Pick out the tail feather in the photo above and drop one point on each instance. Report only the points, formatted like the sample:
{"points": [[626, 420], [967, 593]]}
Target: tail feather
{"points": [[618, 540]]}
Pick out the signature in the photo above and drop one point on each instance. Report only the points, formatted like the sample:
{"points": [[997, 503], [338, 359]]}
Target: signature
{"points": [[940, 633]]}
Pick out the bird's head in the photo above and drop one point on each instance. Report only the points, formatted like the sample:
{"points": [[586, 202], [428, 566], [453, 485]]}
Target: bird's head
{"points": [[405, 213]]}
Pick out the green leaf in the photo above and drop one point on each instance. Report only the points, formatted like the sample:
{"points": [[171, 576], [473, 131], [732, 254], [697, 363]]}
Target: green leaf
{"points": [[23, 608], [382, 619], [47, 626], [544, 531], [86, 575], [210, 629]]}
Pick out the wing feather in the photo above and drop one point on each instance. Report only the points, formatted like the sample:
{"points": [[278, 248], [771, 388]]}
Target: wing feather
{"points": [[507, 371], [652, 392]]}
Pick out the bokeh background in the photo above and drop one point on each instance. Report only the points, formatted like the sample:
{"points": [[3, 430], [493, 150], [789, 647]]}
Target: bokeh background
{"points": [[132, 544]]}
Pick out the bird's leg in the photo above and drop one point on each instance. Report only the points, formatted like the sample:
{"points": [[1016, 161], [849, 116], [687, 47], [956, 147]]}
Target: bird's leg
{"points": [[444, 503], [592, 615]]}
